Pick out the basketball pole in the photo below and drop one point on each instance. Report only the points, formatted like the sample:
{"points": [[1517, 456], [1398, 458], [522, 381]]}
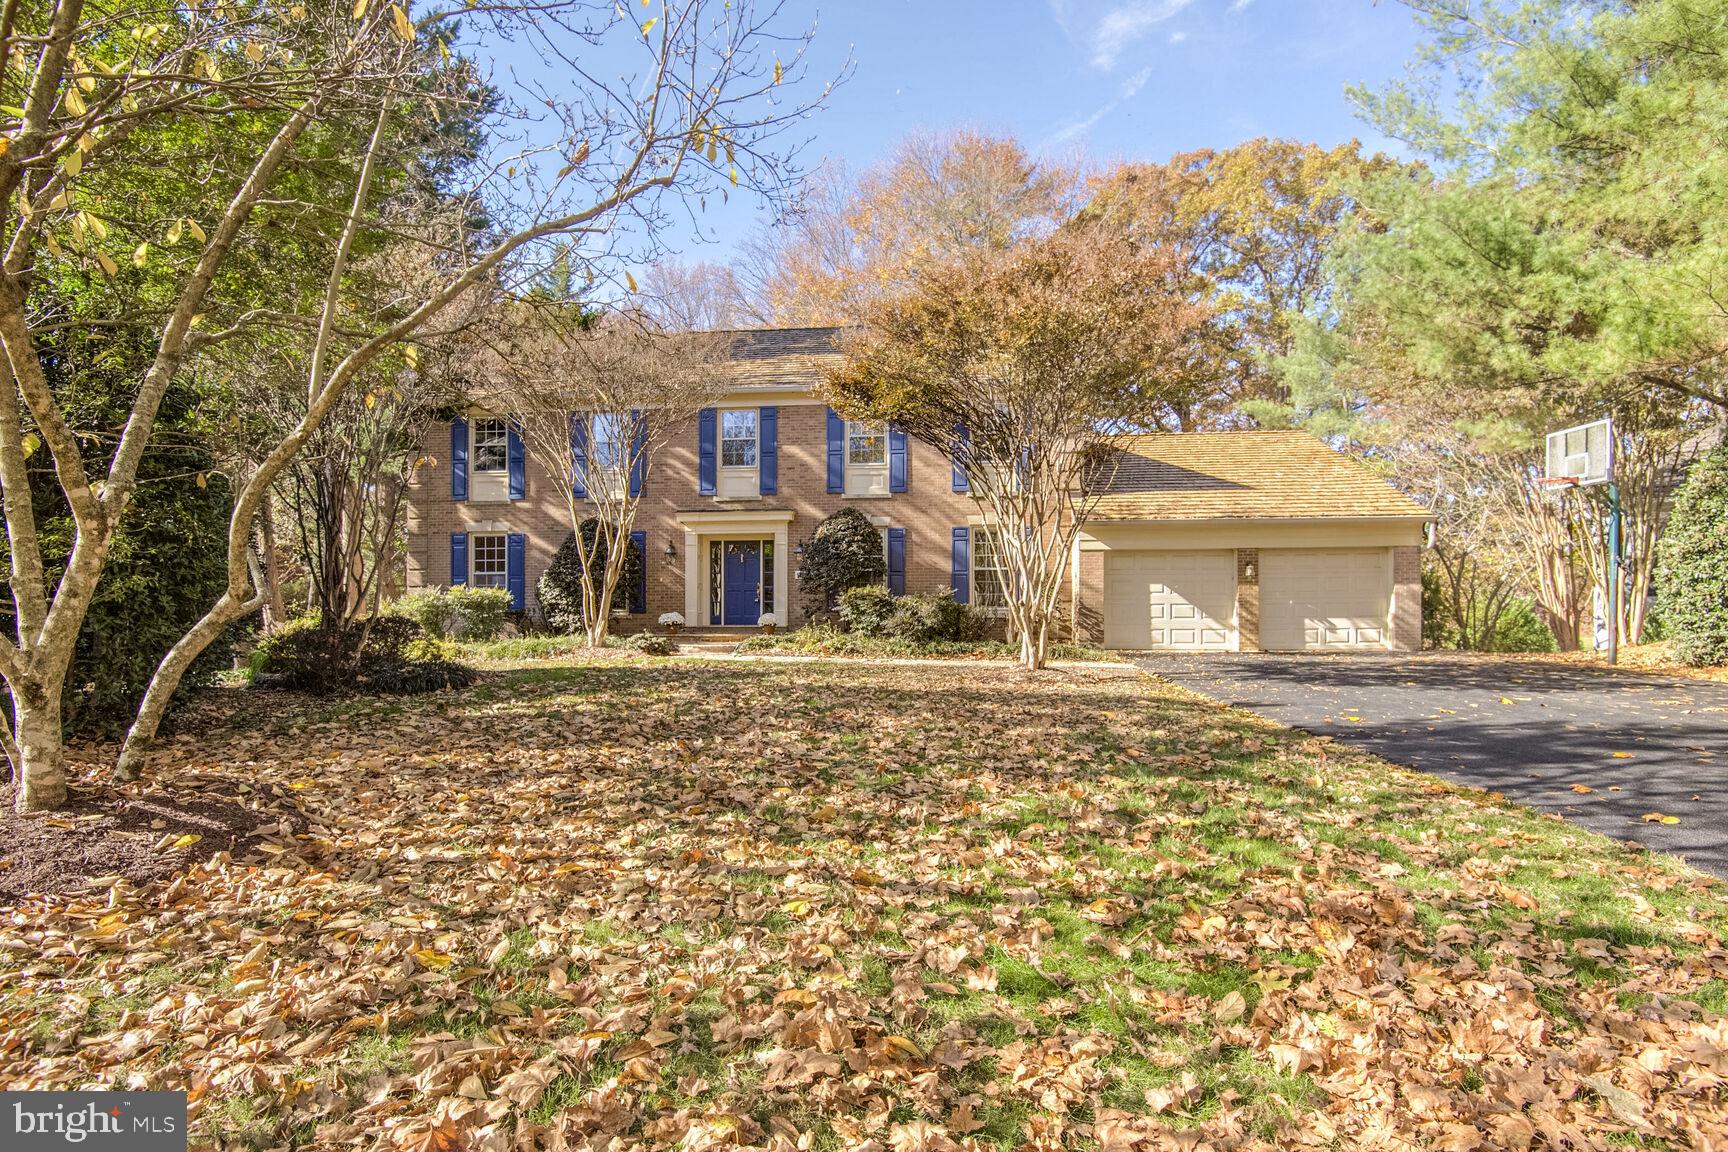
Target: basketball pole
{"points": [[1613, 572]]}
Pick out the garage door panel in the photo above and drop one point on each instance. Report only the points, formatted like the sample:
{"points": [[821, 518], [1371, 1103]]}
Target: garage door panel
{"points": [[1181, 600], [1325, 600]]}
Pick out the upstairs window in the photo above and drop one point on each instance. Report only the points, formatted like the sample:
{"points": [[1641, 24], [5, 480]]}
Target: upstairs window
{"points": [[491, 446], [866, 445], [608, 452], [738, 438]]}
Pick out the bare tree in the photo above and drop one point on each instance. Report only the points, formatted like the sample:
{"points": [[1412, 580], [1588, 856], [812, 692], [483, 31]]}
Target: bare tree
{"points": [[1029, 368], [108, 94], [940, 195], [595, 401], [697, 297]]}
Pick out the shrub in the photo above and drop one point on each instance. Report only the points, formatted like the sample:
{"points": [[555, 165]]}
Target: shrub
{"points": [[649, 644], [864, 611], [459, 613], [168, 560], [931, 616], [844, 552], [1438, 630], [398, 656], [1519, 629], [921, 618], [560, 588], [1692, 564]]}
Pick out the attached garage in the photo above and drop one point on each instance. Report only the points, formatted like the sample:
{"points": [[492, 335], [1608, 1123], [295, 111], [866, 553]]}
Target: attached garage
{"points": [[1248, 541], [1180, 601], [1325, 600]]}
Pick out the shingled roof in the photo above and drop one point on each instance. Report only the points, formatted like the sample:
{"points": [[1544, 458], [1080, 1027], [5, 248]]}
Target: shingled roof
{"points": [[781, 357], [1245, 476]]}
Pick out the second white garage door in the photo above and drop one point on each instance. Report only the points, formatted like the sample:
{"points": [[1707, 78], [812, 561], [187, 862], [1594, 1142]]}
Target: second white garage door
{"points": [[1325, 601], [1180, 600]]}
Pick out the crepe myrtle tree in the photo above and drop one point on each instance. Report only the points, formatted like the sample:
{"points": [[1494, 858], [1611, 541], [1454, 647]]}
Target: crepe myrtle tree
{"points": [[1028, 368], [595, 401], [305, 123]]}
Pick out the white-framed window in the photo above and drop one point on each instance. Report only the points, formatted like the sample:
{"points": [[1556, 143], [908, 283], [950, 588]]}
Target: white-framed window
{"points": [[608, 451], [489, 565], [491, 446], [866, 445], [989, 571], [738, 437], [866, 459]]}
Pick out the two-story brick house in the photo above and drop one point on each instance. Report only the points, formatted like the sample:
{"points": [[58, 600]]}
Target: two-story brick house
{"points": [[1285, 539]]}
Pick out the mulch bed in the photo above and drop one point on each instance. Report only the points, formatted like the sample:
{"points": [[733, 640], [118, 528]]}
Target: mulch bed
{"points": [[141, 833]]}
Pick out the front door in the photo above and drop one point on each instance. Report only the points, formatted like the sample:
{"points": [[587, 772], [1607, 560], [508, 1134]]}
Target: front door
{"points": [[741, 582]]}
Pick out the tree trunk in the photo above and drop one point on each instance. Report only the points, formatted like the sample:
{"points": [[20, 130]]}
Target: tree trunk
{"points": [[275, 610], [41, 781], [136, 751]]}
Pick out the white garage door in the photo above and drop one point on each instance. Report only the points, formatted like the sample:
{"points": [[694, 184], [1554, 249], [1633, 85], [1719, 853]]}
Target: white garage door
{"points": [[1182, 600], [1321, 601]]}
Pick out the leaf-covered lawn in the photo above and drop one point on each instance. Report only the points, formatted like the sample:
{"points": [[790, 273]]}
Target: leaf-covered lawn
{"points": [[630, 904]]}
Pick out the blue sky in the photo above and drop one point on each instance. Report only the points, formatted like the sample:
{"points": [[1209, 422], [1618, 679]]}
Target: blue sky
{"points": [[1105, 79], [1116, 79]]}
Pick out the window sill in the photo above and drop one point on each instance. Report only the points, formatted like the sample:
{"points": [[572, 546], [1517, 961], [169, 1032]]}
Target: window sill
{"points": [[871, 495]]}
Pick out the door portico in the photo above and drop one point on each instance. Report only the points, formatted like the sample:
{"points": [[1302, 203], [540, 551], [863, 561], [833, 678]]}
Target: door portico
{"points": [[736, 564]]}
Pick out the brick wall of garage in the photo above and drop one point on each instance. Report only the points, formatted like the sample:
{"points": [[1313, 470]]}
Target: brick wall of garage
{"points": [[1407, 598], [1248, 599]]}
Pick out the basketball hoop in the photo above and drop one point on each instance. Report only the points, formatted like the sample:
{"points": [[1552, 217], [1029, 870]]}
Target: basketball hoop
{"points": [[1582, 457]]}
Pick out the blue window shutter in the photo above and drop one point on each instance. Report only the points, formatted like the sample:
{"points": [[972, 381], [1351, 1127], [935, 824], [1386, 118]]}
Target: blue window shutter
{"points": [[963, 439], [515, 569], [961, 576], [579, 455], [836, 452], [768, 452], [458, 558], [897, 561], [706, 451], [458, 459], [518, 461], [638, 451], [896, 458], [639, 593]]}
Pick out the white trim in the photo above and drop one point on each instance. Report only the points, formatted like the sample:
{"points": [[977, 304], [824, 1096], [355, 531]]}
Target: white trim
{"points": [[740, 516]]}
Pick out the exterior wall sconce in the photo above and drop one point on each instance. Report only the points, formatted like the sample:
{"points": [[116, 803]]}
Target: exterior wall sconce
{"points": [[797, 549], [671, 551], [1248, 570]]}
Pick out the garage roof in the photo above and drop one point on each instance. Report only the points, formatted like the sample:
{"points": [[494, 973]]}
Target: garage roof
{"points": [[1276, 475]]}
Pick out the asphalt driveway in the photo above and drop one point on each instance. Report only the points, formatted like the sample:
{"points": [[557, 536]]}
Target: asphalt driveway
{"points": [[1526, 728]]}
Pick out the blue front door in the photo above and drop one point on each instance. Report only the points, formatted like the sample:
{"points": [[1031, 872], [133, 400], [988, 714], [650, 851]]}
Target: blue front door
{"points": [[742, 582]]}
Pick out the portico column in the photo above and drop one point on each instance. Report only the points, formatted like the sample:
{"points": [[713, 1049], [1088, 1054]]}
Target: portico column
{"points": [[782, 577], [695, 604]]}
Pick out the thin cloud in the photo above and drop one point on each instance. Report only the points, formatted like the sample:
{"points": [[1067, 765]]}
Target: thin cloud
{"points": [[1126, 23], [1127, 90], [1178, 37]]}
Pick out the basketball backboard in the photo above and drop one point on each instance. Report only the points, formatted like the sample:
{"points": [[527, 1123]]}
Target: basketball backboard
{"points": [[1583, 455]]}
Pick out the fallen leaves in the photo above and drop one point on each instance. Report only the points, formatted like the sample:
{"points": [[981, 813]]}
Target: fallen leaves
{"points": [[1660, 818], [709, 908]]}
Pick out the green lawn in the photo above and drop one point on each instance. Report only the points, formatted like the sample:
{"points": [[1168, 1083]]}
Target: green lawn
{"points": [[633, 903]]}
